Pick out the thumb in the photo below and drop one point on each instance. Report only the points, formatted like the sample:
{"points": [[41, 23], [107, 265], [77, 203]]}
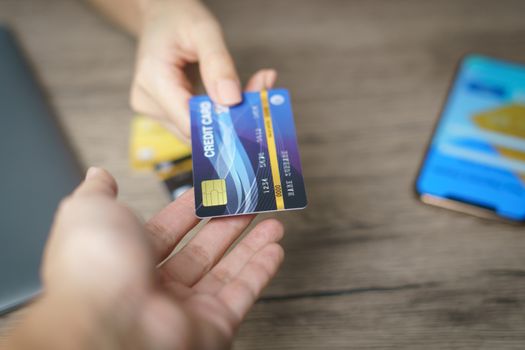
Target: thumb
{"points": [[216, 65], [98, 182]]}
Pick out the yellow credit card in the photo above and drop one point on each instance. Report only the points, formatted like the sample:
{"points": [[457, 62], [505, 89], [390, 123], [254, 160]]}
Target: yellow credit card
{"points": [[151, 143]]}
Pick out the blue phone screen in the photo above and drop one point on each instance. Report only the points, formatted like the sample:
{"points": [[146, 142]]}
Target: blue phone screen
{"points": [[477, 154]]}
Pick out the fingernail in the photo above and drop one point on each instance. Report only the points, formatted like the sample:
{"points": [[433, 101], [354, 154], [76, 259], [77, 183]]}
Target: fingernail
{"points": [[270, 78], [92, 172], [229, 92]]}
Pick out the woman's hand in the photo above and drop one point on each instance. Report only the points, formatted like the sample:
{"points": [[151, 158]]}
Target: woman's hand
{"points": [[173, 34], [104, 288]]}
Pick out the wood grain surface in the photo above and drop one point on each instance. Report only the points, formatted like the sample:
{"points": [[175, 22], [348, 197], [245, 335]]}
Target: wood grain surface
{"points": [[367, 266]]}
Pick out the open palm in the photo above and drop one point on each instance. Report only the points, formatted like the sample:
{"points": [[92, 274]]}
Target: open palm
{"points": [[102, 265], [216, 291]]}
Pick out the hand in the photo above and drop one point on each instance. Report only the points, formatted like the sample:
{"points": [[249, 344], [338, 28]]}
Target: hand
{"points": [[103, 288], [175, 33]]}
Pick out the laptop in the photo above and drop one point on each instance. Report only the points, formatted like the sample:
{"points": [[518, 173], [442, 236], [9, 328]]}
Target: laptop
{"points": [[37, 169]]}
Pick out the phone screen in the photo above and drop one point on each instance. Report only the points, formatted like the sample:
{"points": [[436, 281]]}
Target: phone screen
{"points": [[477, 153]]}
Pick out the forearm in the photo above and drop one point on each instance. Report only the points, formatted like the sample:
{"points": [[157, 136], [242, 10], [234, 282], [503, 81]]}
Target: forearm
{"points": [[127, 14], [57, 325]]}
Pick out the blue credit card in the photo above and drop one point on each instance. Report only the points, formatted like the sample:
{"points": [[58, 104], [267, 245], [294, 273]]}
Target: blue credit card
{"points": [[245, 158]]}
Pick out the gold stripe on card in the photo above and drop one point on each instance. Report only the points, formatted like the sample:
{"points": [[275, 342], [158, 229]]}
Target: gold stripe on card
{"points": [[272, 150]]}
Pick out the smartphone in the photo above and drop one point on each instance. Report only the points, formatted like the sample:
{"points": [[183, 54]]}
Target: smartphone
{"points": [[475, 160]]}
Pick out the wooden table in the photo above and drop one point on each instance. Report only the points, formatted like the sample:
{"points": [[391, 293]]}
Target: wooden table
{"points": [[367, 266]]}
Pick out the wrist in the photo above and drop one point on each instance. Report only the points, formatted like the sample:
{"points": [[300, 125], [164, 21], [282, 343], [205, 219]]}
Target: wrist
{"points": [[51, 325]]}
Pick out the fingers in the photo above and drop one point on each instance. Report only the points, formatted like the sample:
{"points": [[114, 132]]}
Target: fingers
{"points": [[265, 233], [163, 92], [217, 68], [171, 224], [170, 104], [173, 94], [143, 102], [98, 182], [200, 255], [262, 79], [242, 292]]}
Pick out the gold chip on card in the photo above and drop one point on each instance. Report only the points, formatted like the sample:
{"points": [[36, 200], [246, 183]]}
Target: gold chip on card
{"points": [[214, 193]]}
